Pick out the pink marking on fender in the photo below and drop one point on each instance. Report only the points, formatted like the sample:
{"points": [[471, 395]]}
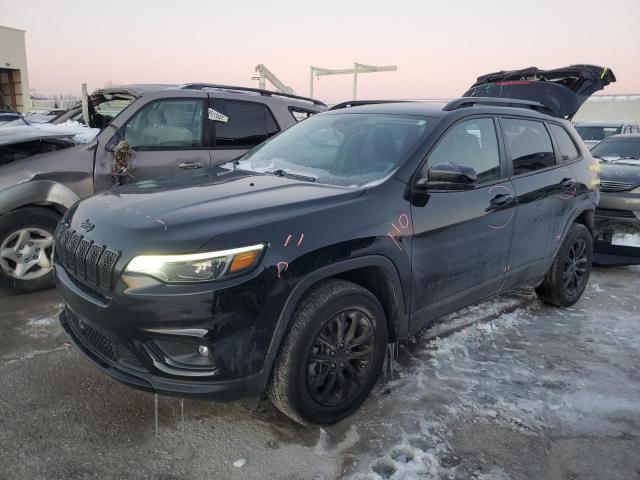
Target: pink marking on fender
{"points": [[287, 240], [394, 241], [404, 224], [397, 229], [281, 267], [300, 240]]}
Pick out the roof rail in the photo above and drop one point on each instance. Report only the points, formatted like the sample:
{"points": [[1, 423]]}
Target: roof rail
{"points": [[465, 102], [266, 93], [358, 103]]}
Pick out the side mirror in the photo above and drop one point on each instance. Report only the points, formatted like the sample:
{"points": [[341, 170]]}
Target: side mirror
{"points": [[447, 176]]}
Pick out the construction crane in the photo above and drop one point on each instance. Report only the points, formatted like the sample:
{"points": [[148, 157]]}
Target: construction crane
{"points": [[357, 68], [266, 74]]}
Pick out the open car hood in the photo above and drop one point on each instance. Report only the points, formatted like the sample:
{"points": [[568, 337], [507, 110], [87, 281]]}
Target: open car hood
{"points": [[562, 90]]}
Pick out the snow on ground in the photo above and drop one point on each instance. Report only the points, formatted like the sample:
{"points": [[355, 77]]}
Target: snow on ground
{"points": [[532, 371]]}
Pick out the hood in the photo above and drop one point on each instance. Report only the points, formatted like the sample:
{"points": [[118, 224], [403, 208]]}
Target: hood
{"points": [[26, 133], [618, 171], [562, 91], [181, 213]]}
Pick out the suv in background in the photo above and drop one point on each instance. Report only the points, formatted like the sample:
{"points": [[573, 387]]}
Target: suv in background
{"points": [[593, 133], [43, 171], [289, 269]]}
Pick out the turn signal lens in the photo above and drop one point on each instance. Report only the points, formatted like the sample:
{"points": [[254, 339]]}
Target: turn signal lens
{"points": [[243, 260]]}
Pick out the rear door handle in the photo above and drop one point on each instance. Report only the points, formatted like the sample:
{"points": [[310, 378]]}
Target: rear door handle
{"points": [[568, 183], [501, 200], [190, 165]]}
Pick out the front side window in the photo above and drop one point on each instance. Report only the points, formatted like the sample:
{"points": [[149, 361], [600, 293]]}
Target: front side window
{"points": [[529, 145], [340, 149], [472, 143], [247, 124], [568, 150], [166, 124]]}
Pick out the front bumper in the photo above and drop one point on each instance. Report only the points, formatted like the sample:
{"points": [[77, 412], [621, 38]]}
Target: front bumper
{"points": [[140, 337], [618, 214]]}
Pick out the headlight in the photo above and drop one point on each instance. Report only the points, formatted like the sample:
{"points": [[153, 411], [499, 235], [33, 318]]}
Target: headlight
{"points": [[196, 267]]}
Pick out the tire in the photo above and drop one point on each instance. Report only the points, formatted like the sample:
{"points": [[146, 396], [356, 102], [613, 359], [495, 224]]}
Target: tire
{"points": [[39, 225], [297, 387], [557, 288]]}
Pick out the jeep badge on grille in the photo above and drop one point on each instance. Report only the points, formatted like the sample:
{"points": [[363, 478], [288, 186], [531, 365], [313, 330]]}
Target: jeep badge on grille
{"points": [[87, 225]]}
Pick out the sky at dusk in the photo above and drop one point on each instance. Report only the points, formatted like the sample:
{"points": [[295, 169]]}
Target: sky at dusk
{"points": [[439, 47]]}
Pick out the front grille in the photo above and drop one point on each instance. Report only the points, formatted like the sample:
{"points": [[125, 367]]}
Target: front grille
{"points": [[92, 337], [613, 213], [610, 186], [87, 261]]}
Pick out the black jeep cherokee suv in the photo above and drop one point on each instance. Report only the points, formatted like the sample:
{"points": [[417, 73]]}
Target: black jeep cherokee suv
{"points": [[289, 270]]}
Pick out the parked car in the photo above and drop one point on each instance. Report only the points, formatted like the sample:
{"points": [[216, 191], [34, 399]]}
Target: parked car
{"points": [[618, 213], [289, 269], [7, 116], [593, 133], [170, 129], [44, 116]]}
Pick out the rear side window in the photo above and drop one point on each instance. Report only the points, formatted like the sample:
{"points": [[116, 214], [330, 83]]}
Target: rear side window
{"points": [[247, 124], [472, 143], [300, 114], [529, 145], [568, 150]]}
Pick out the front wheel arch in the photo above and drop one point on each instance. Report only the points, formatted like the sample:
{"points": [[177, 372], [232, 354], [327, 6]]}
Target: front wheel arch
{"points": [[346, 270]]}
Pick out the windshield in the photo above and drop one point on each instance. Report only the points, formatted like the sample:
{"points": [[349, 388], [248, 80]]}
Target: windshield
{"points": [[346, 149], [618, 148], [597, 132]]}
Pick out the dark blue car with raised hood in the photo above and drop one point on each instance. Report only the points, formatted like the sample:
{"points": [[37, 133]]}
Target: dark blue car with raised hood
{"points": [[288, 270]]}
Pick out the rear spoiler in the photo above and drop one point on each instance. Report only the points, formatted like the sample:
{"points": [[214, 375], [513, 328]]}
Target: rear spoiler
{"points": [[562, 90]]}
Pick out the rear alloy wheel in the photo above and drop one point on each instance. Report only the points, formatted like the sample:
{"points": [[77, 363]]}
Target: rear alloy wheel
{"points": [[568, 276], [332, 355], [26, 249]]}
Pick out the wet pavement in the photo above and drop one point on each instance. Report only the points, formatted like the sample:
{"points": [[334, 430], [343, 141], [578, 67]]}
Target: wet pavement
{"points": [[519, 391]]}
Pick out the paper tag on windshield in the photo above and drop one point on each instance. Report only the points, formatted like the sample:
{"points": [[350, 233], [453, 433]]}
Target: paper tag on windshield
{"points": [[217, 116]]}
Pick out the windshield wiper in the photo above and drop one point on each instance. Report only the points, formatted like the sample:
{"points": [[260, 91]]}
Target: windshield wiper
{"points": [[282, 173]]}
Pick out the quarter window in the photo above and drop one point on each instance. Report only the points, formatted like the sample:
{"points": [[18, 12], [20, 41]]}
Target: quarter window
{"points": [[568, 150], [529, 145], [248, 124], [299, 114], [166, 124], [472, 143]]}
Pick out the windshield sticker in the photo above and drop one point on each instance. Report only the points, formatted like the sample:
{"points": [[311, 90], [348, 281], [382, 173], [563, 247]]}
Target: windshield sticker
{"points": [[217, 116]]}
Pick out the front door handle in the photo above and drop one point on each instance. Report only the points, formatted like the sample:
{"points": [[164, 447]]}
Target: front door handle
{"points": [[568, 183], [190, 165], [501, 200]]}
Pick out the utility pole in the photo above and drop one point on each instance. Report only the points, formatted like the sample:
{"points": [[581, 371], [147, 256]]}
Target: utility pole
{"points": [[357, 68], [266, 74]]}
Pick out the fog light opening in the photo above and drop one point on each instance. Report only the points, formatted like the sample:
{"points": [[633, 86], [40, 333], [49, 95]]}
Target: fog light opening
{"points": [[203, 350]]}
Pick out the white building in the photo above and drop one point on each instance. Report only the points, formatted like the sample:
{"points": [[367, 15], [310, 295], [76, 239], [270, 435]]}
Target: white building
{"points": [[14, 80], [610, 108]]}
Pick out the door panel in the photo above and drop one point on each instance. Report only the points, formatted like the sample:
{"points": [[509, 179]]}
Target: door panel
{"points": [[461, 239], [538, 188], [167, 136], [460, 249]]}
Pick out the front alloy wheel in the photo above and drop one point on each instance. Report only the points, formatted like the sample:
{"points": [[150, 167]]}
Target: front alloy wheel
{"points": [[27, 254], [332, 356], [341, 358], [26, 249], [575, 267]]}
